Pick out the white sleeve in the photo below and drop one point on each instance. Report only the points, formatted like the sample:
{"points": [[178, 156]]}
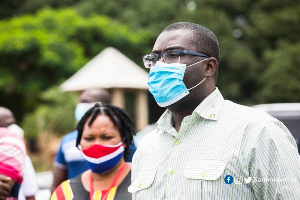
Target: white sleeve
{"points": [[29, 185], [275, 163]]}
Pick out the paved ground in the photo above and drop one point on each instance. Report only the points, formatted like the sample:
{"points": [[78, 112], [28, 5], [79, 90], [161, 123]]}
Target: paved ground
{"points": [[44, 180]]}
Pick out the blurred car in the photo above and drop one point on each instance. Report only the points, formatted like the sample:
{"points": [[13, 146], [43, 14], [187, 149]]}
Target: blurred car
{"points": [[288, 114]]}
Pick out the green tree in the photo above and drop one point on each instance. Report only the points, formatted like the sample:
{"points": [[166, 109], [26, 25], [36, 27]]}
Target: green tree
{"points": [[259, 43], [238, 65], [11, 8], [280, 81], [247, 30], [274, 30], [42, 50], [54, 115], [34, 56]]}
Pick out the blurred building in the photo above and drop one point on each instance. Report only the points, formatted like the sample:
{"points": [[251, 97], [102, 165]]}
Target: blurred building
{"points": [[112, 70]]}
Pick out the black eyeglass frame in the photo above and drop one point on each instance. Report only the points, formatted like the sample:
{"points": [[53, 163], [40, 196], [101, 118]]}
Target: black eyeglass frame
{"points": [[161, 55]]}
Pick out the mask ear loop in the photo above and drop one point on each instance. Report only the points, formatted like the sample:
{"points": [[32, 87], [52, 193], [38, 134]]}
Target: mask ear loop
{"points": [[197, 62], [198, 84], [203, 79]]}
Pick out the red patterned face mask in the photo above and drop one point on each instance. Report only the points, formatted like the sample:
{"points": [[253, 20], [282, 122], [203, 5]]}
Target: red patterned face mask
{"points": [[102, 158]]}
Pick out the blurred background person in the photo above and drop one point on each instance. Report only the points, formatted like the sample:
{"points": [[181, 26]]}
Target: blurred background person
{"points": [[68, 162], [105, 135], [12, 164], [29, 186], [6, 117]]}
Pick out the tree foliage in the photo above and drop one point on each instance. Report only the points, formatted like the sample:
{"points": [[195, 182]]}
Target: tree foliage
{"points": [[35, 55], [259, 42], [55, 116], [249, 33], [42, 50]]}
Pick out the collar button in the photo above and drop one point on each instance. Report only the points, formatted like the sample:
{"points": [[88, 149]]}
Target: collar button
{"points": [[213, 115]]}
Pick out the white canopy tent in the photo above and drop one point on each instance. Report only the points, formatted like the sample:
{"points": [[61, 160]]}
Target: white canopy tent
{"points": [[112, 70]]}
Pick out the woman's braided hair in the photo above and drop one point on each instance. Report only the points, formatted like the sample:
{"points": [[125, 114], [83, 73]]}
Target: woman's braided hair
{"points": [[118, 116]]}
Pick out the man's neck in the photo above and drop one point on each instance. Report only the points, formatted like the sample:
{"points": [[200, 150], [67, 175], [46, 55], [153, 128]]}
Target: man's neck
{"points": [[187, 108], [178, 117]]}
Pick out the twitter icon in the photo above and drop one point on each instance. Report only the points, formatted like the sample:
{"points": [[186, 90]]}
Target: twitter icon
{"points": [[247, 180]]}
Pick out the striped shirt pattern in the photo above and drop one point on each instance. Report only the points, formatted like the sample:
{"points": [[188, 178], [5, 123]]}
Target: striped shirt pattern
{"points": [[69, 157], [12, 155], [105, 195], [219, 138], [64, 192]]}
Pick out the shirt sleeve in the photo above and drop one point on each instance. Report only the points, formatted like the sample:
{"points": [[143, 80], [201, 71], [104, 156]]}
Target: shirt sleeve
{"points": [[274, 163], [60, 156], [139, 157], [134, 170], [29, 185], [134, 165]]}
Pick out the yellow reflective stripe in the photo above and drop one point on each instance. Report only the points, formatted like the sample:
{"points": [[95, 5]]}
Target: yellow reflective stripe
{"points": [[67, 190], [97, 195], [112, 193], [53, 196]]}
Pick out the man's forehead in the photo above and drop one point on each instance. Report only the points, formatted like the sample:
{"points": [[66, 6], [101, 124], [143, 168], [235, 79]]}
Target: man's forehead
{"points": [[174, 39]]}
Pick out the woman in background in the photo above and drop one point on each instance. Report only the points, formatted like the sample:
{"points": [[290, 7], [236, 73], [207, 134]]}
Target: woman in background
{"points": [[105, 134]]}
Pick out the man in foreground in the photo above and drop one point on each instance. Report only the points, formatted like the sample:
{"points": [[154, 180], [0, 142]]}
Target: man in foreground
{"points": [[205, 147]]}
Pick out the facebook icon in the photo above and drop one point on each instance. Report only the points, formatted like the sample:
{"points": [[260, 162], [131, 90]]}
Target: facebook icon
{"points": [[228, 179]]}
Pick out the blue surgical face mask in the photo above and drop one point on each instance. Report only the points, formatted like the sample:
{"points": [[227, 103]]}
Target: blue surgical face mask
{"points": [[165, 82], [81, 109]]}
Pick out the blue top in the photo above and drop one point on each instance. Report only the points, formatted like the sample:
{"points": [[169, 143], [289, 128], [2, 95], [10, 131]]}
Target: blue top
{"points": [[69, 156]]}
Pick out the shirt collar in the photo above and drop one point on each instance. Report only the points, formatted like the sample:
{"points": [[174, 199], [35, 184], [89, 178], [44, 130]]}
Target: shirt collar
{"points": [[209, 109], [165, 123]]}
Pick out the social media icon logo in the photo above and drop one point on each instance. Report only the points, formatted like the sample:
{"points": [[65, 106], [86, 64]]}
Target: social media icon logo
{"points": [[238, 180], [247, 180], [228, 179]]}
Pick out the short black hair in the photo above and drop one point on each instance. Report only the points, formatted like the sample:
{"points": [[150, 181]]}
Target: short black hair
{"points": [[118, 116], [205, 40]]}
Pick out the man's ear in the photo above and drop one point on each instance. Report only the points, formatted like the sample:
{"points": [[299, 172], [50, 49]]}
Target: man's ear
{"points": [[211, 67]]}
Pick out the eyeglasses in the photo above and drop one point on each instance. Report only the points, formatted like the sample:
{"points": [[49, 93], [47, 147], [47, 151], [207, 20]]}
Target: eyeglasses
{"points": [[170, 56]]}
